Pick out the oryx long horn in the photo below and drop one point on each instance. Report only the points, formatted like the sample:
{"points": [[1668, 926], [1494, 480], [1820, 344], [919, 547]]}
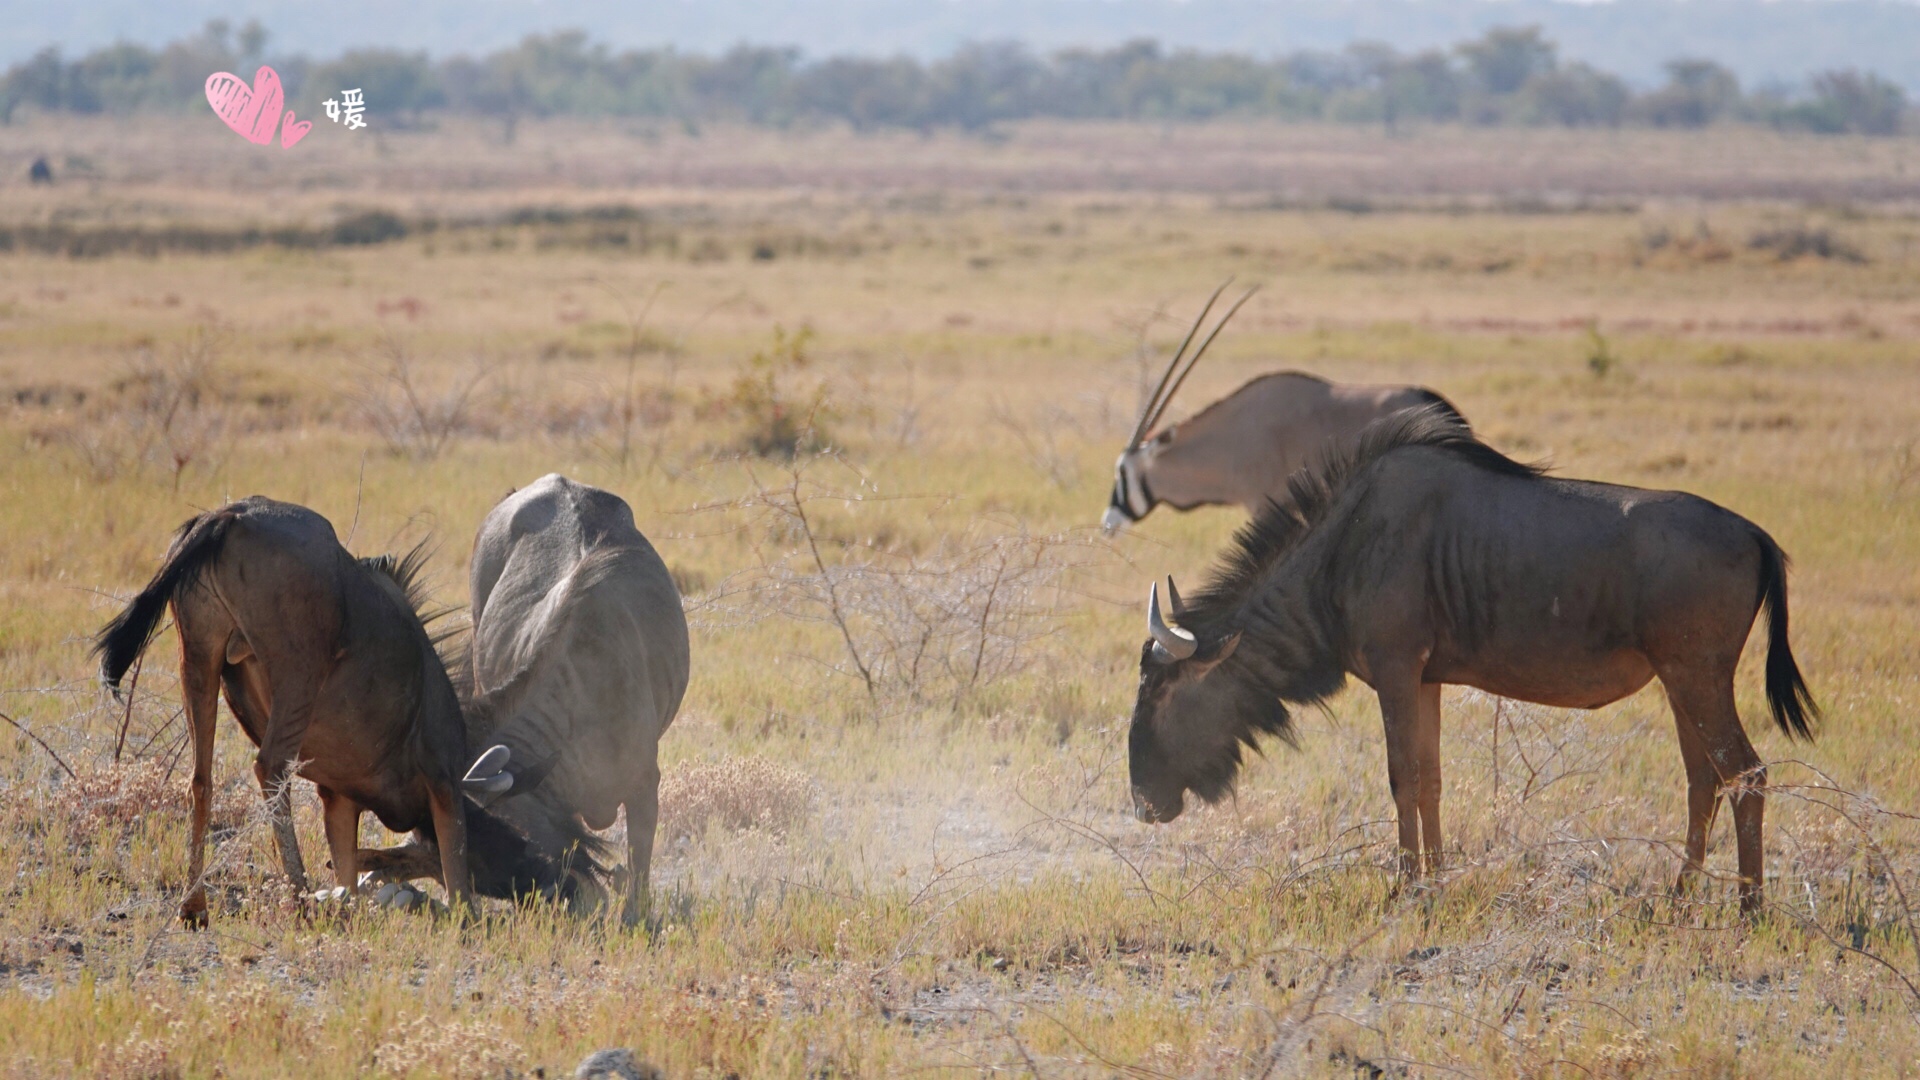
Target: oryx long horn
{"points": [[1155, 406], [1179, 643], [1201, 351]]}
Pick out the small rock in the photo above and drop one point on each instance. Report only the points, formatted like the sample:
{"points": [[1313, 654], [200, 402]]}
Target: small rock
{"points": [[615, 1064]]}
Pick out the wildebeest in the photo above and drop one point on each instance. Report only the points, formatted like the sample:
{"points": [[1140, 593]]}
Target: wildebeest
{"points": [[1242, 448], [580, 660], [1420, 557], [327, 665]]}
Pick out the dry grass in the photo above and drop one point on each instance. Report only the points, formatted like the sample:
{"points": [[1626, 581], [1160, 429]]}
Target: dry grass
{"points": [[938, 872], [734, 793]]}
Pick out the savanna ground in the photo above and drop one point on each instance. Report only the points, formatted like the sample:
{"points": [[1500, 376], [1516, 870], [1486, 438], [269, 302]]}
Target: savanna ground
{"points": [[896, 834]]}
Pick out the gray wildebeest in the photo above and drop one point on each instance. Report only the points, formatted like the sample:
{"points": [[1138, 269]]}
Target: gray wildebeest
{"points": [[1242, 448], [580, 660], [1420, 556], [327, 665]]}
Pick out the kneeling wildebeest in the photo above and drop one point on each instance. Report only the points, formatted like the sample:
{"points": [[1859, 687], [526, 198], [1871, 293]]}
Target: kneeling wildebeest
{"points": [[1420, 557], [580, 660], [326, 664], [1242, 448]]}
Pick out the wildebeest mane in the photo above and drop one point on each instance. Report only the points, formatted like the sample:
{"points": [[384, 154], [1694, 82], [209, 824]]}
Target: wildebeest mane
{"points": [[408, 572], [1313, 492]]}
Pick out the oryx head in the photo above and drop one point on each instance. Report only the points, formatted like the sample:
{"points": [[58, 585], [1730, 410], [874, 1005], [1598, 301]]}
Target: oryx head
{"points": [[1132, 497]]}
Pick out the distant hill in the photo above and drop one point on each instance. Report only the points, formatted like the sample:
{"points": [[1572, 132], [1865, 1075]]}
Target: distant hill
{"points": [[1763, 41]]}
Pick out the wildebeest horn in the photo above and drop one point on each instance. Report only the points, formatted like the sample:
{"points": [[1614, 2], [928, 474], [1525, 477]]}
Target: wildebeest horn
{"points": [[1173, 598], [488, 779], [1179, 643], [1155, 406]]}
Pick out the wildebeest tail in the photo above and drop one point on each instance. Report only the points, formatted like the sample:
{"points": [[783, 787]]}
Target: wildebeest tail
{"points": [[121, 641], [1787, 694]]}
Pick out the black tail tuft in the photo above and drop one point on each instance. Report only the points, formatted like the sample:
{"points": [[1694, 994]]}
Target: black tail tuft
{"points": [[121, 641], [1787, 694]]}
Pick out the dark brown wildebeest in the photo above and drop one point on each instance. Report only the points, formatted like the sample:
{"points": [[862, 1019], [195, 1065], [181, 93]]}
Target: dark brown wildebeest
{"points": [[580, 660], [1241, 449], [326, 664], [1421, 557]]}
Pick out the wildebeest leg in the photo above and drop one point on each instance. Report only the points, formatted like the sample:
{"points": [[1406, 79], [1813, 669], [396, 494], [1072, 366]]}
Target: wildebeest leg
{"points": [[1702, 698], [450, 832], [342, 817], [643, 817], [1427, 742], [1703, 801], [200, 681], [411, 861], [1400, 707], [273, 767]]}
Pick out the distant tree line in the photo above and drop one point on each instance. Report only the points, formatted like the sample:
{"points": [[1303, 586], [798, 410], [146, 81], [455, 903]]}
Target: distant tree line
{"points": [[1509, 76]]}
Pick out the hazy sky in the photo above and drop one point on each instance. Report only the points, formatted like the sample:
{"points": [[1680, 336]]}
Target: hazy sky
{"points": [[1774, 40]]}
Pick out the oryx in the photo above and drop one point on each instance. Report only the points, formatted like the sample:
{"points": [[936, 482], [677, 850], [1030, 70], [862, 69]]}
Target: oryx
{"points": [[1242, 448]]}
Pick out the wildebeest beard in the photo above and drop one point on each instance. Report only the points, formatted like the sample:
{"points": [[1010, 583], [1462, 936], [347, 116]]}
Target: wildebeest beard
{"points": [[1193, 735]]}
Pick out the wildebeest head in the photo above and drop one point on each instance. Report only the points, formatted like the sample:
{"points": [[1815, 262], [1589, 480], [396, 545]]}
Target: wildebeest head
{"points": [[1191, 718]]}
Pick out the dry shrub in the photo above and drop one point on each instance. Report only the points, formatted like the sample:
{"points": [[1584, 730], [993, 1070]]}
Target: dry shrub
{"points": [[173, 413], [415, 418], [916, 625], [119, 794], [427, 1047], [737, 792]]}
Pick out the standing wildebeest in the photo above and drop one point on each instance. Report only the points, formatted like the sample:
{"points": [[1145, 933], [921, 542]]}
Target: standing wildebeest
{"points": [[1242, 448], [580, 660], [1421, 556], [326, 664]]}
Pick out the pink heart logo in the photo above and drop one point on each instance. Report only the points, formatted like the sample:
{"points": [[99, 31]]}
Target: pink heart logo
{"points": [[291, 132], [253, 111]]}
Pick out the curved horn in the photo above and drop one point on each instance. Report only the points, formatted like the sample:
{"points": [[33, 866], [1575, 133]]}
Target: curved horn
{"points": [[1179, 643], [489, 763], [1173, 598], [488, 779], [1197, 353], [1155, 406]]}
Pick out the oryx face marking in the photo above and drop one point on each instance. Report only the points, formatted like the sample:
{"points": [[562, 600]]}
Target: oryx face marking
{"points": [[1130, 500]]}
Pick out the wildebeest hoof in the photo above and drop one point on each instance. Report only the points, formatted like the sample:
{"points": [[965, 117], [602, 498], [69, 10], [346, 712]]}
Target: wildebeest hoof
{"points": [[399, 896], [617, 1064]]}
